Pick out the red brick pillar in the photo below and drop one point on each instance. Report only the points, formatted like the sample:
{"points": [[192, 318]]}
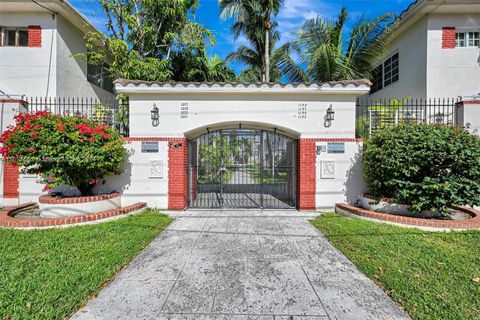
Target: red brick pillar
{"points": [[34, 36], [448, 38], [11, 181], [306, 174], [177, 174]]}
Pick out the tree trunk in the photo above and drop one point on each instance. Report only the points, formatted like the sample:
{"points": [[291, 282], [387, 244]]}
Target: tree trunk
{"points": [[267, 53]]}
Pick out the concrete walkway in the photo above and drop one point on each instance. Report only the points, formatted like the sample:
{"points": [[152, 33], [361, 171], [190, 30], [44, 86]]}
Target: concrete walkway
{"points": [[262, 265]]}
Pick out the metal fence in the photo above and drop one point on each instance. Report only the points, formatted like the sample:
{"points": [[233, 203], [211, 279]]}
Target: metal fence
{"points": [[108, 111], [373, 115]]}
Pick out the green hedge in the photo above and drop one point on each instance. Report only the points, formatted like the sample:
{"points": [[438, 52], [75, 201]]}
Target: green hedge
{"points": [[428, 167]]}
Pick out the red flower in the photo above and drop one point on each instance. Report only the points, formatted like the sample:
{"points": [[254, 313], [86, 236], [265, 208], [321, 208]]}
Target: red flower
{"points": [[92, 139], [60, 127], [94, 181], [32, 150], [34, 135], [47, 187], [27, 127]]}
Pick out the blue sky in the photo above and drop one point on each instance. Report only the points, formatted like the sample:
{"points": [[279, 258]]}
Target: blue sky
{"points": [[290, 18]]}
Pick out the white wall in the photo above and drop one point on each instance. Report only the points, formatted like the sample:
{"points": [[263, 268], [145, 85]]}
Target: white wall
{"points": [[29, 71], [347, 184], [412, 48], [137, 183], [452, 72], [273, 110], [72, 71]]}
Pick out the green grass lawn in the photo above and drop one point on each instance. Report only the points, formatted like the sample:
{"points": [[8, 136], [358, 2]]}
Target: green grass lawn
{"points": [[49, 274], [433, 275]]}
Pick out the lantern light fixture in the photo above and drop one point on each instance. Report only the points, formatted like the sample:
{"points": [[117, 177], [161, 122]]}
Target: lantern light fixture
{"points": [[329, 117], [154, 116]]}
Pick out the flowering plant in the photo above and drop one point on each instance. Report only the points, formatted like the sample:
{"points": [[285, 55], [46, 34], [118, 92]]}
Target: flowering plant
{"points": [[70, 150]]}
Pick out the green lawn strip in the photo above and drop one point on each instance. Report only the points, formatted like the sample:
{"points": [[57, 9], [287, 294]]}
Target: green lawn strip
{"points": [[49, 274], [434, 275]]}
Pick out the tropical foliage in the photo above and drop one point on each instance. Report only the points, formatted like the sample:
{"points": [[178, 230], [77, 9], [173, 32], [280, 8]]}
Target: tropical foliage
{"points": [[63, 150], [255, 20], [425, 166], [328, 54], [150, 40]]}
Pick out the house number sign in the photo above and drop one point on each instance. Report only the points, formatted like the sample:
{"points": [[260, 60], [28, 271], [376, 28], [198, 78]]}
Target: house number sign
{"points": [[184, 108], [302, 111]]}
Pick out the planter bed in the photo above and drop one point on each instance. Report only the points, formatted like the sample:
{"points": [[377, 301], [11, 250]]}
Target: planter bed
{"points": [[51, 206], [8, 217], [423, 223]]}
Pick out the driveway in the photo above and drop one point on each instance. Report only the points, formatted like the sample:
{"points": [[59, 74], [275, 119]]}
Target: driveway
{"points": [[241, 265]]}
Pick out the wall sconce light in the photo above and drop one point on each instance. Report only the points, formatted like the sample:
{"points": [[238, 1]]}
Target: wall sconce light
{"points": [[154, 116], [329, 117]]}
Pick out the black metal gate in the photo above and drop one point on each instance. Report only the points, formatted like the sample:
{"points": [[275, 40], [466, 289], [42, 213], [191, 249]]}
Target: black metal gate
{"points": [[241, 168]]}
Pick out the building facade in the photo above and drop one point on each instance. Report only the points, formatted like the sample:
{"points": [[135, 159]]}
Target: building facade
{"points": [[38, 43], [434, 52]]}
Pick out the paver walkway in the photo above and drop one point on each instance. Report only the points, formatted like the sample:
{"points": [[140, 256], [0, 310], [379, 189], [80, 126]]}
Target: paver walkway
{"points": [[241, 265]]}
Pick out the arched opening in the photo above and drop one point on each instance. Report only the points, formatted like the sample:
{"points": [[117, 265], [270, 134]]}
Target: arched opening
{"points": [[242, 168]]}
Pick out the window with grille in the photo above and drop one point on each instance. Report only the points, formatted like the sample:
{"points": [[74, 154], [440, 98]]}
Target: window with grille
{"points": [[14, 37], [377, 79], [386, 73], [467, 39]]}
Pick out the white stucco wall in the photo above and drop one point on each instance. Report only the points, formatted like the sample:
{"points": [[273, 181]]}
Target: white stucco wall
{"points": [[412, 48], [72, 71], [30, 71], [265, 110], [252, 110], [137, 183], [347, 185], [452, 72]]}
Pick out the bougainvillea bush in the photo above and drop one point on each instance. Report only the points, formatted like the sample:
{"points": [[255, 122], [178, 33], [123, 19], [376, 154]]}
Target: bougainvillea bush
{"points": [[63, 150], [428, 167]]}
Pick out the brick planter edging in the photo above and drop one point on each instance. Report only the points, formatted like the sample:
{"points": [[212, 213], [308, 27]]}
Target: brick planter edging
{"points": [[8, 221], [472, 223], [50, 199]]}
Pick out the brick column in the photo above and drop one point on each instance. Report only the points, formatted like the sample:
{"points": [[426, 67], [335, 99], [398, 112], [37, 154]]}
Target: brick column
{"points": [[9, 193], [34, 36], [306, 174], [177, 174], [448, 38], [11, 181]]}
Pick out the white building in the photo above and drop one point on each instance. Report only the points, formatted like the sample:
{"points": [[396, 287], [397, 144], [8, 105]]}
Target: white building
{"points": [[37, 43], [434, 52]]}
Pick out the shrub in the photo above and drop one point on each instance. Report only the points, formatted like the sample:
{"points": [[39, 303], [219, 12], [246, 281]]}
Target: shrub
{"points": [[427, 167], [69, 150]]}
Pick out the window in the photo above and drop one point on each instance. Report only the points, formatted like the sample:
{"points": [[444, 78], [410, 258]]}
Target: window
{"points": [[386, 73], [377, 79], [467, 39], [14, 37], [390, 70], [98, 75]]}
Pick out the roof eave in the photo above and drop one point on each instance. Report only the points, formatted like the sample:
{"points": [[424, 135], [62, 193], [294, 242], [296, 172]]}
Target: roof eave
{"points": [[321, 89]]}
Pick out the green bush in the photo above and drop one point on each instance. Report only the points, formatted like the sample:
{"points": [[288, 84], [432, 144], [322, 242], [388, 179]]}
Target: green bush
{"points": [[428, 167], [69, 150]]}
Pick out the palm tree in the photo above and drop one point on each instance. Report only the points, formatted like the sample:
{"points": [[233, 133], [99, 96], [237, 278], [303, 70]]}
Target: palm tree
{"points": [[327, 56], [211, 69], [257, 14], [281, 64]]}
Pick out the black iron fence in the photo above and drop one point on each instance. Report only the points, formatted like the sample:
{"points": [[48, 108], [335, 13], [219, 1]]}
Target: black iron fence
{"points": [[373, 115], [110, 111]]}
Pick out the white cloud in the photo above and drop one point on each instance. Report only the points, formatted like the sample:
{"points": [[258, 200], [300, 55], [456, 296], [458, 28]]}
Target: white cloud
{"points": [[295, 12]]}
